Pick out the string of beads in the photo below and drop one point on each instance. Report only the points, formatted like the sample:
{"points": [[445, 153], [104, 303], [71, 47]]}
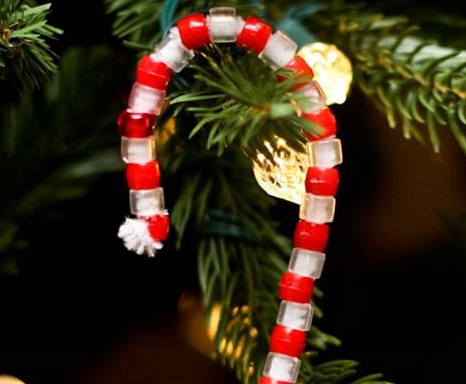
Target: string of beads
{"points": [[146, 232]]}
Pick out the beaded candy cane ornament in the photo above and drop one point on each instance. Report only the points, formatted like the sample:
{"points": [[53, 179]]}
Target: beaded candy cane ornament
{"points": [[145, 233]]}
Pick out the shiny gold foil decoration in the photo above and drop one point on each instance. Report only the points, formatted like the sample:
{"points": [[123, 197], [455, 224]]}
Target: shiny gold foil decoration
{"points": [[284, 176], [332, 70]]}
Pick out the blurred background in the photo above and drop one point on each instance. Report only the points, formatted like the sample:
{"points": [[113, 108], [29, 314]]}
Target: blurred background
{"points": [[78, 308]]}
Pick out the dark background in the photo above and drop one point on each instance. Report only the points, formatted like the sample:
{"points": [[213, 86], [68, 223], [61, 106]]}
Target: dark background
{"points": [[83, 310]]}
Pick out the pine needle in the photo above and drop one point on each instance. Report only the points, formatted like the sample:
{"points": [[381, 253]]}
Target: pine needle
{"points": [[409, 76], [26, 59]]}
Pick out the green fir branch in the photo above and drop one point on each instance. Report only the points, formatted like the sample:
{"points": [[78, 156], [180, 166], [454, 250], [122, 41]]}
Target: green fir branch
{"points": [[26, 59], [228, 105], [224, 216], [136, 20], [141, 22], [53, 144], [237, 100], [414, 80]]}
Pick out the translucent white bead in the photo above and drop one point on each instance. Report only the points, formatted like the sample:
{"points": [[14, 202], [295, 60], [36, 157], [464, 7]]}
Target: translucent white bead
{"points": [[306, 263], [223, 24], [315, 97], [324, 153], [147, 202], [145, 99], [295, 316], [138, 151], [281, 367], [278, 51], [172, 52], [317, 209]]}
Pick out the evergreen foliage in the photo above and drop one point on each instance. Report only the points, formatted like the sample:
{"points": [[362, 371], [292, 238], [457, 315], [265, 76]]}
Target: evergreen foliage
{"points": [[55, 142], [26, 60], [418, 83], [222, 214], [238, 101], [226, 104]]}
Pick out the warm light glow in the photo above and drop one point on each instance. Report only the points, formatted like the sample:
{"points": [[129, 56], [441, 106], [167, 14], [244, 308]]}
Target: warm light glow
{"points": [[332, 69], [214, 320], [228, 349], [226, 346], [5, 379], [192, 325], [164, 134], [284, 177]]}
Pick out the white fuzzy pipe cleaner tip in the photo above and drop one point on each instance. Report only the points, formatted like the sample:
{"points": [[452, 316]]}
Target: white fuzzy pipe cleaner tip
{"points": [[136, 237]]}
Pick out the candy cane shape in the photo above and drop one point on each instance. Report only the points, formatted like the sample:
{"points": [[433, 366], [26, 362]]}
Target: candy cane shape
{"points": [[145, 233]]}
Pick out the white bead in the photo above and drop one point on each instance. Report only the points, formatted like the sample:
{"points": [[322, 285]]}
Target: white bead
{"points": [[324, 153], [138, 151], [281, 367], [146, 202], [295, 316], [315, 97], [317, 209], [306, 263], [223, 24], [144, 99], [172, 52], [278, 51]]}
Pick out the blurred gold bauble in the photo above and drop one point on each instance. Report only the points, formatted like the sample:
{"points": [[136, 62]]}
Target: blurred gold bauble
{"points": [[5, 379], [192, 326], [332, 70], [284, 176]]}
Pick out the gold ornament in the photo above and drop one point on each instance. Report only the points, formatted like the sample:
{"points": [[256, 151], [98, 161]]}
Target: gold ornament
{"points": [[192, 329], [332, 70], [284, 177], [5, 379]]}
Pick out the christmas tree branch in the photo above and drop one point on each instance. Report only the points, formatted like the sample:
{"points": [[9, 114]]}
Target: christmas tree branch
{"points": [[237, 100], [53, 146], [140, 22], [227, 104], [223, 214], [417, 82], [26, 60]]}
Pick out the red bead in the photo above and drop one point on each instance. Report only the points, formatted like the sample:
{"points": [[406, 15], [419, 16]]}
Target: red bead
{"points": [[152, 73], [323, 118], [300, 69], [158, 227], [136, 125], [269, 380], [254, 35], [287, 341], [322, 181], [296, 288], [194, 31], [311, 236], [143, 176]]}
